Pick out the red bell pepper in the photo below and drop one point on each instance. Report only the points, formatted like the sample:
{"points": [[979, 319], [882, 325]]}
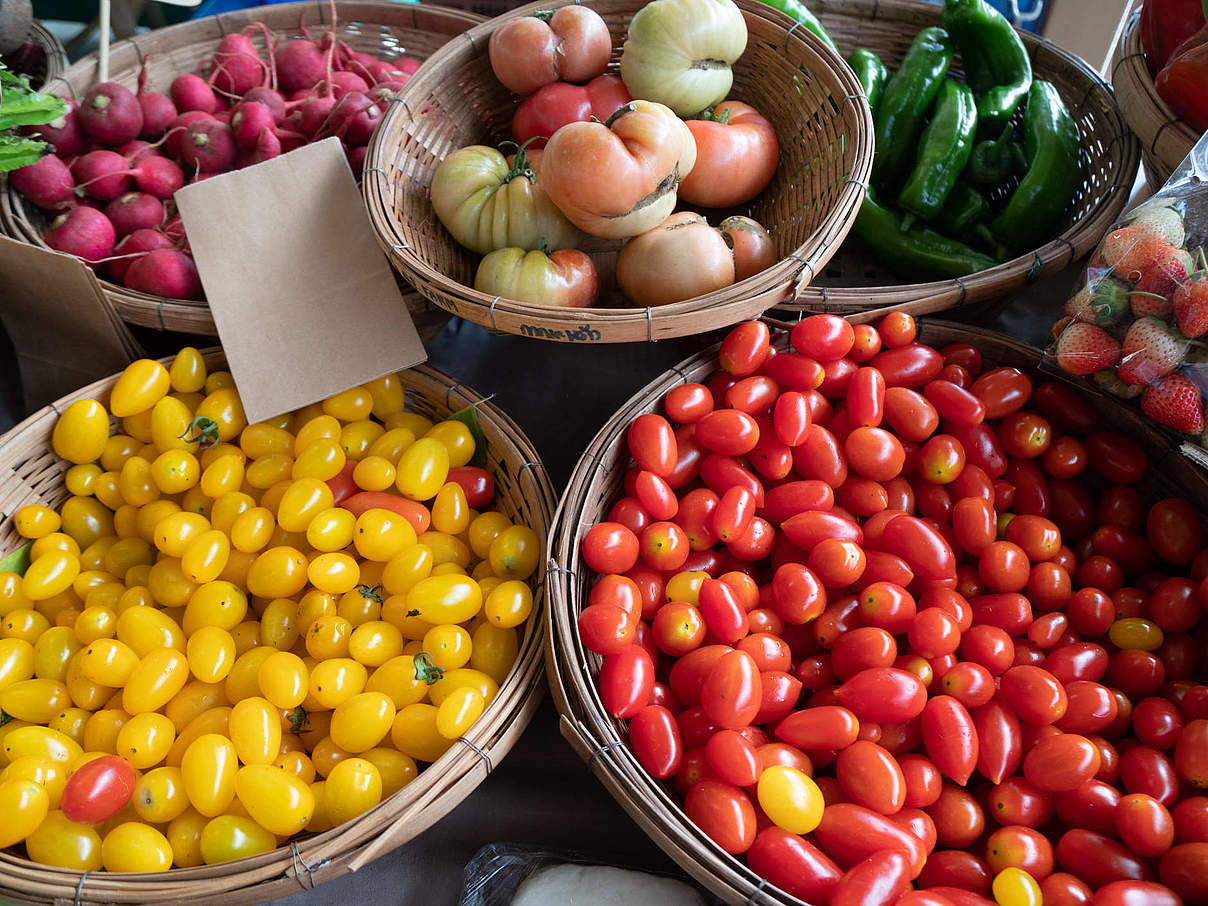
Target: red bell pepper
{"points": [[1165, 24]]}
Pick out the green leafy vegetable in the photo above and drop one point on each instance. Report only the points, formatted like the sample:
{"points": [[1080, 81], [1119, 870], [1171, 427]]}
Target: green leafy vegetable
{"points": [[20, 105], [16, 562], [469, 417]]}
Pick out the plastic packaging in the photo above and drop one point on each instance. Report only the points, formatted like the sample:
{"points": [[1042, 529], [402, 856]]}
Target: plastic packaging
{"points": [[1138, 323], [499, 871]]}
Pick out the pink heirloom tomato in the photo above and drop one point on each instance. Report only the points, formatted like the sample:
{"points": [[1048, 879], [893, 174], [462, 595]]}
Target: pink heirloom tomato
{"points": [[565, 278], [750, 244], [736, 156], [683, 257], [571, 44], [554, 105]]}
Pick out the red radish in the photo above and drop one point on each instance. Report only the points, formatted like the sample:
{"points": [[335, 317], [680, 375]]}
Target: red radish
{"points": [[314, 114], [190, 92], [134, 151], [137, 243], [111, 114], [64, 133], [158, 113], [165, 272], [300, 64], [266, 147], [270, 99], [134, 211], [158, 176], [208, 145], [176, 134], [248, 120], [355, 118], [409, 65], [302, 94], [102, 175], [356, 159], [383, 93], [236, 67], [343, 83], [174, 229], [290, 140], [82, 231], [379, 71], [47, 183], [223, 116]]}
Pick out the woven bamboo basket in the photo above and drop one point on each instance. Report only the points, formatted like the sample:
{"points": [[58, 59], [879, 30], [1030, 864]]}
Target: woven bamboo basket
{"points": [[854, 280], [1165, 139], [33, 474], [596, 484], [810, 97], [372, 26], [47, 53]]}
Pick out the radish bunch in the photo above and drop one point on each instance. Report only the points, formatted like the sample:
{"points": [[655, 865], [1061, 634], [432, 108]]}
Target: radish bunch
{"points": [[119, 156]]}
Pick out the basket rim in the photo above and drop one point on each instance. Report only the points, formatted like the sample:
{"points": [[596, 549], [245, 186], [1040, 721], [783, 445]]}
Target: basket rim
{"points": [[348, 846], [188, 315], [585, 723], [716, 309]]}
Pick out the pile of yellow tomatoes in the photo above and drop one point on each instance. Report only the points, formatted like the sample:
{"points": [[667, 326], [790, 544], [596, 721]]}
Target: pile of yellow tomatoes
{"points": [[229, 634]]}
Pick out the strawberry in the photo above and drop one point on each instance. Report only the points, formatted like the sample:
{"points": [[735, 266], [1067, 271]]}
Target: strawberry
{"points": [[1164, 218], [1108, 380], [1152, 349], [1103, 302], [1132, 250], [1158, 283], [1175, 402], [1191, 305], [1084, 348]]}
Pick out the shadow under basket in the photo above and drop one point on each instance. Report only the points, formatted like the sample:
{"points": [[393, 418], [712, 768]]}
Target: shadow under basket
{"points": [[855, 281], [33, 474], [370, 26], [597, 482], [808, 94]]}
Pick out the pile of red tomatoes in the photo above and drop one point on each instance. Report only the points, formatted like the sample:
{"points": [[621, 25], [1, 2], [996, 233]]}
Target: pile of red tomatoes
{"points": [[902, 629]]}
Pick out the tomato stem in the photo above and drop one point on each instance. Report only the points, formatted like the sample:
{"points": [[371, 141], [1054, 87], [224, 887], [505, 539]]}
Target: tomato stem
{"points": [[425, 670], [5, 718], [618, 113], [543, 14], [520, 163], [297, 719], [207, 432], [371, 592]]}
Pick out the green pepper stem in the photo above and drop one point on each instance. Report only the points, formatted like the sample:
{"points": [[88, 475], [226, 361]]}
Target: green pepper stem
{"points": [[907, 222]]}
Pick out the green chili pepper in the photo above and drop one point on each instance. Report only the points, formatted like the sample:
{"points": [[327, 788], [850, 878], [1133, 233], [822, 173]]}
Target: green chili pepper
{"points": [[870, 73], [996, 62], [907, 98], [943, 151], [964, 209], [917, 253], [795, 9], [1051, 148], [995, 160]]}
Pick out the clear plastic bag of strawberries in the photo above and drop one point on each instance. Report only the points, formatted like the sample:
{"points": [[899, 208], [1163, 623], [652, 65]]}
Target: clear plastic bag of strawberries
{"points": [[1138, 324]]}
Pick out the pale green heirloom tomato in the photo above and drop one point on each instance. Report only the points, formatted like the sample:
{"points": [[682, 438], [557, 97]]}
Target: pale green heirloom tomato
{"points": [[679, 52], [565, 278], [487, 204]]}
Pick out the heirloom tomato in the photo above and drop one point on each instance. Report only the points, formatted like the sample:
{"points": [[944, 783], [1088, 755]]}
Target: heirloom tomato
{"points": [[565, 278], [571, 44], [553, 106], [736, 156], [681, 258]]}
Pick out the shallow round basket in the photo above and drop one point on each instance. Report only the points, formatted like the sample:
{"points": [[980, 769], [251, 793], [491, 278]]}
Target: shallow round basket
{"points": [[811, 98], [371, 26], [49, 55], [1165, 139], [33, 474], [596, 484], [856, 281]]}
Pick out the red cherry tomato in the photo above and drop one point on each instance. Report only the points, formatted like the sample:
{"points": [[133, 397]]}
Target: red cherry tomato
{"points": [[1000, 741], [688, 403], [1184, 869], [1173, 528], [912, 365], [1061, 763], [879, 878], [1002, 391], [98, 790], [849, 833], [950, 737], [793, 864], [606, 628], [731, 693], [1191, 753], [609, 547], [866, 398], [884, 695], [652, 444], [959, 818], [1116, 457], [1018, 846], [745, 348], [655, 740], [724, 812], [477, 483], [822, 337], [1099, 860], [1034, 694]]}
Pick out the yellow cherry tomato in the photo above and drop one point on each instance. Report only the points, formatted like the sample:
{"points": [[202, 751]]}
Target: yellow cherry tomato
{"points": [[417, 424], [387, 394], [144, 740], [362, 721], [390, 446], [211, 455], [211, 653], [175, 532], [48, 774], [83, 691], [50, 574], [139, 387], [483, 531], [1136, 633], [24, 624], [331, 530], [227, 509], [447, 549], [685, 586], [125, 520], [11, 596], [215, 720], [262, 439], [450, 510], [108, 662], [269, 470], [252, 529], [255, 729], [284, 679], [71, 722], [509, 604], [35, 521], [320, 458], [229, 837], [296, 764], [24, 804], [457, 439], [208, 767], [276, 800], [159, 795], [195, 698], [279, 572], [127, 553], [320, 821], [156, 679], [514, 553], [407, 569], [337, 679], [187, 373], [42, 742], [1015, 887], [86, 520], [135, 482], [350, 405], [146, 628], [458, 712], [52, 653], [374, 473], [63, 843], [337, 573], [244, 679], [184, 834], [218, 603], [328, 637], [80, 479], [375, 642], [279, 624], [361, 605], [118, 449], [17, 659], [462, 678], [397, 613], [170, 426], [225, 409], [80, 434], [53, 541], [107, 492], [148, 517], [223, 475], [175, 471], [327, 755], [445, 599], [790, 799], [138, 426], [239, 564], [134, 846], [397, 679], [135, 596], [414, 733], [304, 499], [422, 469], [354, 786], [396, 769], [381, 535], [205, 559], [447, 645], [357, 437]]}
